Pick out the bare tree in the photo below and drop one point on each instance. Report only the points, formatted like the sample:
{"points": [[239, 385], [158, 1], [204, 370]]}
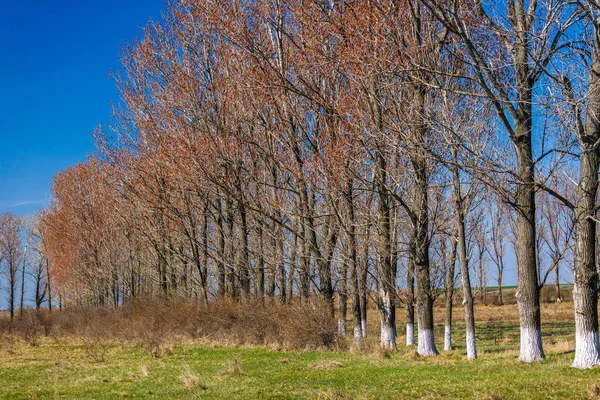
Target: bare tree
{"points": [[498, 218], [523, 37], [10, 247]]}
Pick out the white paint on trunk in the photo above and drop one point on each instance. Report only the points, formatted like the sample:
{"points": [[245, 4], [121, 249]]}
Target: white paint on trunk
{"points": [[363, 325], [448, 338], [410, 334], [341, 327], [388, 337], [531, 345], [471, 347], [387, 318], [426, 346], [358, 336], [587, 352]]}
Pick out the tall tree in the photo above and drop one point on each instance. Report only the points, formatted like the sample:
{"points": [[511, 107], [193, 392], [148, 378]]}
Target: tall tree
{"points": [[524, 37], [10, 248]]}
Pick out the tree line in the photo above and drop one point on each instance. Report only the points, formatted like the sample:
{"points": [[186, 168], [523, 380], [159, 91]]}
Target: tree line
{"points": [[382, 151], [23, 264]]}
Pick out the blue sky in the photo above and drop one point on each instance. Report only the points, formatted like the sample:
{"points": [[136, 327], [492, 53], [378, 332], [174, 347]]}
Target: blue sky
{"points": [[55, 59]]}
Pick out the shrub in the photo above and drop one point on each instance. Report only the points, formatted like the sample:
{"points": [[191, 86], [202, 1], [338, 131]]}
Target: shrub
{"points": [[28, 326], [154, 324]]}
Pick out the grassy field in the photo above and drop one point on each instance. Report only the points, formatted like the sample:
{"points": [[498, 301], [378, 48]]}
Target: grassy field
{"points": [[73, 369]]}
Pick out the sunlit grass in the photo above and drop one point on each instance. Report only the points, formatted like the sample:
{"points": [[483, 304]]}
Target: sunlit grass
{"points": [[65, 369]]}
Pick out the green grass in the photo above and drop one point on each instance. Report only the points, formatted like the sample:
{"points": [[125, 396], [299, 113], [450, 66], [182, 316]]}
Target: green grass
{"points": [[66, 369]]}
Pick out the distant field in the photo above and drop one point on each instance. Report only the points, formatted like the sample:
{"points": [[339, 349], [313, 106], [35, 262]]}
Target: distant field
{"points": [[71, 369], [503, 287], [547, 294]]}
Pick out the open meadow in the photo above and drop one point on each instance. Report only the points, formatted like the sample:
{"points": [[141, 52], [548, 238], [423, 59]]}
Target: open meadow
{"points": [[86, 367]]}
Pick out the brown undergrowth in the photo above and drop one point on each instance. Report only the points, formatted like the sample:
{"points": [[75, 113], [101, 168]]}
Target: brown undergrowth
{"points": [[153, 323]]}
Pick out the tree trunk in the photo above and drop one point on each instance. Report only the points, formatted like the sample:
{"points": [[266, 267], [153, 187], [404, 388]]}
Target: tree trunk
{"points": [[386, 273], [426, 343], [585, 288], [528, 295], [500, 296], [12, 281], [410, 301], [557, 284], [322, 255], [449, 298], [463, 261], [343, 298], [204, 259], [281, 262], [48, 285], [364, 289], [304, 272], [482, 286], [271, 268], [305, 248], [222, 276], [244, 259], [38, 285], [23, 281], [232, 279], [260, 270], [353, 264], [293, 264]]}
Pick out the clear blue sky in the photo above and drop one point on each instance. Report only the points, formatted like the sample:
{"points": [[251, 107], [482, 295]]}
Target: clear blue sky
{"points": [[55, 58]]}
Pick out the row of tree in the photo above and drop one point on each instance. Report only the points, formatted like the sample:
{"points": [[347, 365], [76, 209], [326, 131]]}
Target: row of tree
{"points": [[286, 147], [23, 264]]}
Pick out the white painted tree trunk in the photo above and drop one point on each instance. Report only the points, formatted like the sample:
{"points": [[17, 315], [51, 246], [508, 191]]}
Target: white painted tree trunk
{"points": [[448, 338], [358, 337], [471, 347], [587, 354], [342, 326], [585, 273], [388, 321], [426, 346], [531, 345], [363, 324], [388, 337], [587, 350], [464, 264], [410, 334]]}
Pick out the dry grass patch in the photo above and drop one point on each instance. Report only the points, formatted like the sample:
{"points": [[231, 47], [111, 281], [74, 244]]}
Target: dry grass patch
{"points": [[325, 365], [561, 346], [443, 361], [594, 392], [338, 395], [376, 351], [493, 397], [190, 379], [413, 356]]}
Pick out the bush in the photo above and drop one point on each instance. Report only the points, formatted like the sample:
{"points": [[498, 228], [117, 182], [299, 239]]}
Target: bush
{"points": [[154, 323], [28, 327]]}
